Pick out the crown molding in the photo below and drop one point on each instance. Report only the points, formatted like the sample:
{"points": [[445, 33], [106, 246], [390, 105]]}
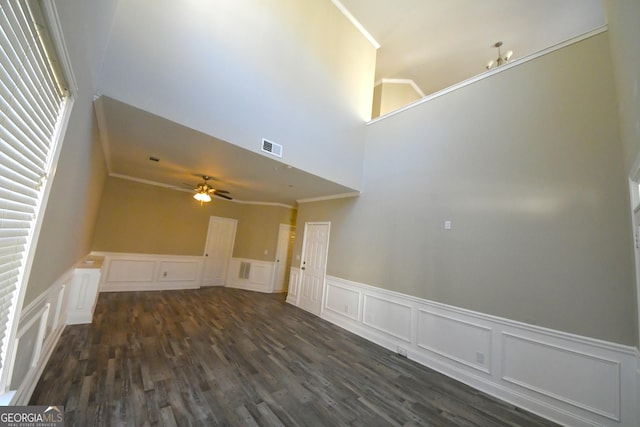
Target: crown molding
{"points": [[186, 190], [409, 82], [356, 23], [332, 197], [491, 72]]}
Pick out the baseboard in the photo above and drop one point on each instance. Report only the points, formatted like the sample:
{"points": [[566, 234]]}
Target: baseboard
{"points": [[569, 379]]}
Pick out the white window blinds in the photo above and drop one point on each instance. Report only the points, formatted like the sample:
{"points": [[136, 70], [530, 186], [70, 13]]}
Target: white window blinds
{"points": [[31, 105]]}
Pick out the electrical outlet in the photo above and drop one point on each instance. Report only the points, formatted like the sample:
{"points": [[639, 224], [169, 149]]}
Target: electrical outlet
{"points": [[402, 351], [479, 357], [346, 308]]}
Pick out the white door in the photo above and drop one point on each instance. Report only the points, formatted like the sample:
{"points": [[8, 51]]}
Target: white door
{"points": [[218, 250], [636, 224], [315, 248], [286, 235]]}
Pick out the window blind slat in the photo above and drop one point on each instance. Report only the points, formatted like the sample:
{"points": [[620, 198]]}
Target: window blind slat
{"points": [[20, 85], [17, 151], [43, 70], [15, 112], [31, 101]]}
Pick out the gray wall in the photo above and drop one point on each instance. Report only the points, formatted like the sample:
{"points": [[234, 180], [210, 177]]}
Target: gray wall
{"points": [[296, 72], [70, 214], [527, 165], [623, 17]]}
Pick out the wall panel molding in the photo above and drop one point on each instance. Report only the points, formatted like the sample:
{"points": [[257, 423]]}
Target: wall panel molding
{"points": [[258, 279], [567, 378], [149, 272], [40, 325], [524, 358]]}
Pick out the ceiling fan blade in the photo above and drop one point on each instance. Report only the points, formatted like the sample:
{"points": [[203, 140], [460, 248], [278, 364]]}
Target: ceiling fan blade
{"points": [[224, 196], [221, 191]]}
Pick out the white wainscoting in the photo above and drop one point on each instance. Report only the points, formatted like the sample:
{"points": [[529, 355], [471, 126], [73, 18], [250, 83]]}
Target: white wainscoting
{"points": [[39, 329], [573, 380], [256, 275], [294, 286], [149, 272]]}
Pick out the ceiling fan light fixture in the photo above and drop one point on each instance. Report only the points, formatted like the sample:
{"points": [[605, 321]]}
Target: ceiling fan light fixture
{"points": [[202, 197]]}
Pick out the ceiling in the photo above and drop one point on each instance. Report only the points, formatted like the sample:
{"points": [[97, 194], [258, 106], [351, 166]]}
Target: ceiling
{"points": [[435, 43], [131, 136]]}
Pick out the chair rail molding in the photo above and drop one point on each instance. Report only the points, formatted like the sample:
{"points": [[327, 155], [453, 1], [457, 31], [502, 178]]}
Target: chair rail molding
{"points": [[570, 379]]}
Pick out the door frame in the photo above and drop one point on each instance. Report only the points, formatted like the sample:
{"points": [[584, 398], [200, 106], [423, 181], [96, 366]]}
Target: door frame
{"points": [[326, 260], [206, 248], [290, 229]]}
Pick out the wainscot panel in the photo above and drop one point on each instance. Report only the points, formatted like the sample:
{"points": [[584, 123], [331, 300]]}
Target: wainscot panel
{"points": [[39, 328], [149, 272], [570, 379], [250, 274], [463, 342], [525, 358]]}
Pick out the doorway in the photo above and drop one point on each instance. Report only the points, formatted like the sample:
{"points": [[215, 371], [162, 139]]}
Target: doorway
{"points": [[315, 248], [218, 250], [286, 236]]}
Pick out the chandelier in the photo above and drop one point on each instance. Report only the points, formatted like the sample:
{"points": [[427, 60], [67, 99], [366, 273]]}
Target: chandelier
{"points": [[501, 60]]}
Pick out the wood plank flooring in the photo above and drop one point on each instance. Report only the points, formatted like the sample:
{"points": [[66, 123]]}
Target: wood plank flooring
{"points": [[218, 356]]}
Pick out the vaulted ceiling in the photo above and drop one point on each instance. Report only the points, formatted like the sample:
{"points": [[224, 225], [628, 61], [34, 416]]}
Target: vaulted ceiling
{"points": [[435, 43]]}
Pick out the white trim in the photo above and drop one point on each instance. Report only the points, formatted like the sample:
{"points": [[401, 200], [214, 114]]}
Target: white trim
{"points": [[55, 31], [103, 131], [260, 275], [173, 187], [332, 197], [50, 329], [409, 82], [572, 353], [490, 73], [590, 382], [634, 199], [124, 272], [356, 24]]}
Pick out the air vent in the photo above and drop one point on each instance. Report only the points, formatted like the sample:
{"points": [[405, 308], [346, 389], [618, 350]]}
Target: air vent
{"points": [[272, 148], [245, 270]]}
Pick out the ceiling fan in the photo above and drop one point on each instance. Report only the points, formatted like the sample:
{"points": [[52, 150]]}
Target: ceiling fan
{"points": [[204, 191]]}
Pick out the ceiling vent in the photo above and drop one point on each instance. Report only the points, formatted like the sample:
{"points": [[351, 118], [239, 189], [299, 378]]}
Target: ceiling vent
{"points": [[271, 148]]}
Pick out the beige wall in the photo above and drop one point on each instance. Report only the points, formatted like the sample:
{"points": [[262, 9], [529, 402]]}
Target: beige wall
{"points": [[142, 218], [527, 164], [388, 97]]}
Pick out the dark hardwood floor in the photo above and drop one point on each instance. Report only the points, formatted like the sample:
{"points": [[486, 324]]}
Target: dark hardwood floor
{"points": [[219, 356]]}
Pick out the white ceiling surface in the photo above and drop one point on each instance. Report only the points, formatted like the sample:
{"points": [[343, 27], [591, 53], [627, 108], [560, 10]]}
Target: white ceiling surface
{"points": [[185, 155], [436, 43]]}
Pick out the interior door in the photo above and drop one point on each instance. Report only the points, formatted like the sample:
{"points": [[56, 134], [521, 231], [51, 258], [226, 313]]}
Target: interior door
{"points": [[315, 248], [218, 250], [286, 235]]}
